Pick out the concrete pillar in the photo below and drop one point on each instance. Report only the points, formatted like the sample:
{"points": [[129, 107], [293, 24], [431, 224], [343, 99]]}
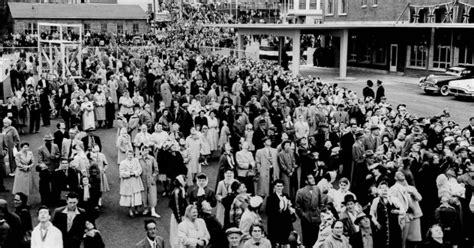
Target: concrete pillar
{"points": [[344, 43], [240, 46], [296, 51], [281, 48], [431, 51]]}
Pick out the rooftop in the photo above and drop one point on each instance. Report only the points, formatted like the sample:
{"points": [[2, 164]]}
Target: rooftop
{"points": [[76, 11], [345, 25]]}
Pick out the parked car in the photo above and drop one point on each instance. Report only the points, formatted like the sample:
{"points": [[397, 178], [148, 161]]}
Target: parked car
{"points": [[438, 83], [462, 88]]}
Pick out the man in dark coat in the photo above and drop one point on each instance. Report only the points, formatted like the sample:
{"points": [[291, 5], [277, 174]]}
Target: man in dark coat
{"points": [[90, 140], [368, 91], [347, 140], [380, 91], [213, 226], [279, 224], [71, 228], [308, 204], [14, 236], [45, 107]]}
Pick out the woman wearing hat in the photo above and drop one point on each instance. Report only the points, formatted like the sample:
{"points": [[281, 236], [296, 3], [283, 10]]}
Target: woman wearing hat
{"points": [[251, 215]]}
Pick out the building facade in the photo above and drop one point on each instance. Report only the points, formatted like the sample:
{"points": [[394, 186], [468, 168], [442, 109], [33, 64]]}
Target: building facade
{"points": [[305, 11], [437, 33], [95, 18], [64, 1]]}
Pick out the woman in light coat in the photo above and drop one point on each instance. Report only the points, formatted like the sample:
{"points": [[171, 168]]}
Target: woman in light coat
{"points": [[124, 143], [88, 118], [24, 181], [192, 231], [131, 185]]}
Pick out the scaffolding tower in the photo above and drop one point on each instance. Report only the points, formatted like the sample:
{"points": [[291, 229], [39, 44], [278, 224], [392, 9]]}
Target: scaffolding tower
{"points": [[60, 49]]}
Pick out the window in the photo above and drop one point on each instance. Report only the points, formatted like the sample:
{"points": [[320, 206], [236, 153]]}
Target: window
{"points": [[31, 28], [363, 3], [87, 28], [380, 53], [291, 4], [342, 7], [135, 28], [442, 57], [103, 27], [375, 3], [53, 29], [330, 7], [313, 4], [418, 55], [302, 4], [466, 55], [119, 28]]}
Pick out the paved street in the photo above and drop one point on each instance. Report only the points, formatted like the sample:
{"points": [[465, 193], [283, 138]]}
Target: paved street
{"points": [[118, 230]]}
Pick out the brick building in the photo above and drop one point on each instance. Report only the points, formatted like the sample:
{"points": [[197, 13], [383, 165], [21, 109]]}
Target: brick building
{"points": [[95, 18], [425, 34]]}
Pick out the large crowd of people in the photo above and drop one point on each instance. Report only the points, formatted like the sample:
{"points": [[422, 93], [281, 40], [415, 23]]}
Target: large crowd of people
{"points": [[355, 170]]}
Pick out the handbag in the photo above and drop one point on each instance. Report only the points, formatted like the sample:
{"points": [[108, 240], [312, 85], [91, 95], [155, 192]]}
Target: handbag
{"points": [[251, 173], [26, 237]]}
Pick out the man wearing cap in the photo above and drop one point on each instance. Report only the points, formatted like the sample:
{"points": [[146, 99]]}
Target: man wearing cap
{"points": [[259, 134], [359, 181], [146, 117], [48, 162], [347, 140], [90, 140], [234, 237], [372, 139], [358, 151], [416, 132]]}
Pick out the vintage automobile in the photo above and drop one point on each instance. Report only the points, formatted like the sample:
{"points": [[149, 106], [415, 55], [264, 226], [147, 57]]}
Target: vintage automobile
{"points": [[462, 88], [438, 83]]}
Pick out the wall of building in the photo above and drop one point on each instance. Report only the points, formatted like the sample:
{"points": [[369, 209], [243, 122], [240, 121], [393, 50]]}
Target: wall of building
{"points": [[64, 1], [21, 25], [383, 10]]}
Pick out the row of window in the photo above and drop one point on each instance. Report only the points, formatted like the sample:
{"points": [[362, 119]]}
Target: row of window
{"points": [[33, 28], [342, 6]]}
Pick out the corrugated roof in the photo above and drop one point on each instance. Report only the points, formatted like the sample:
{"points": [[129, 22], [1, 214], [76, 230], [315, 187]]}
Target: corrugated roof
{"points": [[76, 11]]}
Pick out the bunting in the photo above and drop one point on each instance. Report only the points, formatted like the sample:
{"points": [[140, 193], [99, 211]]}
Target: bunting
{"points": [[452, 12]]}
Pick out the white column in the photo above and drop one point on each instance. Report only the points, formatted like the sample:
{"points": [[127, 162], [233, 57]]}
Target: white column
{"points": [[296, 51], [344, 42]]}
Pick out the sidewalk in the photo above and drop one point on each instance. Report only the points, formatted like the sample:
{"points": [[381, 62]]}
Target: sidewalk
{"points": [[355, 76]]}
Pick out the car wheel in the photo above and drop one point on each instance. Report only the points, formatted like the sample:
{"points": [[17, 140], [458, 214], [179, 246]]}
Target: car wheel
{"points": [[444, 90]]}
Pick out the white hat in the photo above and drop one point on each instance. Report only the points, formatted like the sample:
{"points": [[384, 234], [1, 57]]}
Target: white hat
{"points": [[256, 201]]}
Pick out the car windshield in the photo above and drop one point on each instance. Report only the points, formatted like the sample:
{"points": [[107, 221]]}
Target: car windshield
{"points": [[454, 71]]}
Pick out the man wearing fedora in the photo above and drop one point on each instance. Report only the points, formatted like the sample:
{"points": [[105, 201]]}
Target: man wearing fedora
{"points": [[364, 237], [349, 214], [48, 162]]}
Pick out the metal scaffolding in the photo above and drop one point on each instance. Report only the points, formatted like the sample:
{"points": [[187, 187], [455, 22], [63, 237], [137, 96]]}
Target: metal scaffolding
{"points": [[57, 55]]}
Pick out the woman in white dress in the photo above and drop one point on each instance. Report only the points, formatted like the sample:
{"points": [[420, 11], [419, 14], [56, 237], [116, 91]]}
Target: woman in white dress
{"points": [[100, 100], [131, 184], [113, 87], [88, 119], [124, 143], [213, 132], [193, 145]]}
